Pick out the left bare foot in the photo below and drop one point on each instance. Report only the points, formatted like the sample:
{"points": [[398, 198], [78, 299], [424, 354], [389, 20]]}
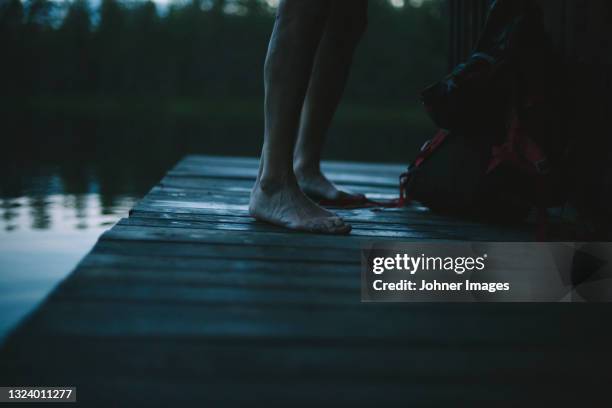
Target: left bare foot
{"points": [[319, 188]]}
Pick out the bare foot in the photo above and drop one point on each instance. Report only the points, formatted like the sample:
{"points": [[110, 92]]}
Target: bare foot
{"points": [[287, 206], [318, 187]]}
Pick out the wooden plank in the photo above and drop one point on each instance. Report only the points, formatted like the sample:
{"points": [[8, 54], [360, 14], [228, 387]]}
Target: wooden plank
{"points": [[330, 165], [220, 172], [221, 251], [368, 218], [233, 291], [317, 325], [192, 182], [359, 229], [374, 193], [197, 265], [211, 278], [463, 230], [242, 238], [462, 325]]}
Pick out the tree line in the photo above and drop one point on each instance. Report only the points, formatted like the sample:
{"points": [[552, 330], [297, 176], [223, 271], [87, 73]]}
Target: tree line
{"points": [[202, 49]]}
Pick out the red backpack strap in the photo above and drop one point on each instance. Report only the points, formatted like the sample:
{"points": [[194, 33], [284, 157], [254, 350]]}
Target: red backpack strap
{"points": [[426, 151], [430, 146]]}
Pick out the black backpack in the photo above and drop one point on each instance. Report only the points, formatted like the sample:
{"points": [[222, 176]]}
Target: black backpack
{"points": [[500, 150]]}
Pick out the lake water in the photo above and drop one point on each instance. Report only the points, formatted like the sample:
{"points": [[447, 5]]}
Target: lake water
{"points": [[44, 232]]}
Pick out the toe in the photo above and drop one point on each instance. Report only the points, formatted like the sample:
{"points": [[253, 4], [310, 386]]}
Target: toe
{"points": [[339, 226], [343, 229]]}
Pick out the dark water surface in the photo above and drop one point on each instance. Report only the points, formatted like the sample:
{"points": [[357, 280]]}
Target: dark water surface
{"points": [[44, 233]]}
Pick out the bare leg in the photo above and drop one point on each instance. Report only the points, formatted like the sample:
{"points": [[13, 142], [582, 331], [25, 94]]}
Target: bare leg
{"points": [[344, 28], [276, 196]]}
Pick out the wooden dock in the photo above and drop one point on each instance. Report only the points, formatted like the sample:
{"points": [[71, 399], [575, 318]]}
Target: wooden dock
{"points": [[190, 302]]}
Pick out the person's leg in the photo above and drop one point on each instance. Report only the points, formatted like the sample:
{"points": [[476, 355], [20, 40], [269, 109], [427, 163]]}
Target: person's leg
{"points": [[345, 26], [276, 196]]}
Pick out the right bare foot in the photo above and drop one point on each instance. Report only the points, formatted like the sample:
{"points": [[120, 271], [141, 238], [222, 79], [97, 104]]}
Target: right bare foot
{"points": [[287, 206]]}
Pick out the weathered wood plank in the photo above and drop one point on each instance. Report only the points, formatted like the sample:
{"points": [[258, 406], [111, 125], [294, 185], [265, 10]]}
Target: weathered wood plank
{"points": [[383, 194], [241, 185], [81, 317], [327, 165], [197, 265], [462, 229], [220, 251], [221, 172], [131, 232], [359, 230], [367, 218]]}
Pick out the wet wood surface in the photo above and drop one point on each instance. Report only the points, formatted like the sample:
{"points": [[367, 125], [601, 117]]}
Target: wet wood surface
{"points": [[190, 302]]}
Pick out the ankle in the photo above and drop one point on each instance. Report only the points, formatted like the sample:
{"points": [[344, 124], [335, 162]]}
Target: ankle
{"points": [[273, 184], [302, 169]]}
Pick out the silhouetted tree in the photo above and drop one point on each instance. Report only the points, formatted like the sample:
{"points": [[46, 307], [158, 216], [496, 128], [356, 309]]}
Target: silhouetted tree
{"points": [[145, 73], [212, 49], [75, 40], [111, 48], [11, 46]]}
